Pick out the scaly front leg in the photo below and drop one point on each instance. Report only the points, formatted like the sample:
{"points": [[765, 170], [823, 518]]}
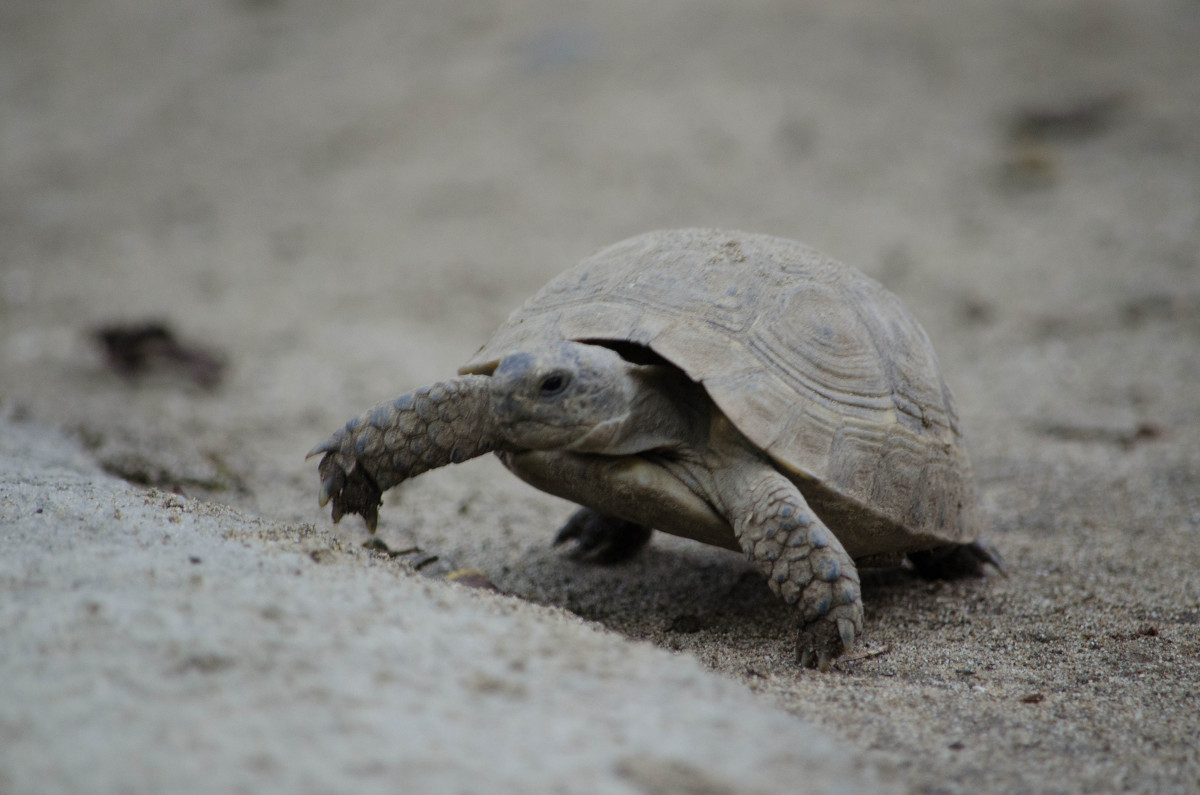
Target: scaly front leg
{"points": [[802, 559], [444, 423]]}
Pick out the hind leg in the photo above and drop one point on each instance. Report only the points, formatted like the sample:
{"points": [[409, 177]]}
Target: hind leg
{"points": [[955, 561], [601, 538]]}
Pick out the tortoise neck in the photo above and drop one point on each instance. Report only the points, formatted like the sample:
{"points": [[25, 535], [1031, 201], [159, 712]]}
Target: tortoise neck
{"points": [[665, 411]]}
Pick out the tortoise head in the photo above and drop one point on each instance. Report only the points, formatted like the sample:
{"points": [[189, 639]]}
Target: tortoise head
{"points": [[567, 395]]}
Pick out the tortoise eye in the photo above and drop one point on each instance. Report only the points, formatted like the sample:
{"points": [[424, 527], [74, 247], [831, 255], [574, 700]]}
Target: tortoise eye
{"points": [[553, 384]]}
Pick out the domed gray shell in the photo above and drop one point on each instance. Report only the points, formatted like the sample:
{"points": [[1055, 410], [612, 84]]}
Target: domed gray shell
{"points": [[817, 364]]}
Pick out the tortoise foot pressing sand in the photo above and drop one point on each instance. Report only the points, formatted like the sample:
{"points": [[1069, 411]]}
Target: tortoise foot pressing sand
{"points": [[740, 390]]}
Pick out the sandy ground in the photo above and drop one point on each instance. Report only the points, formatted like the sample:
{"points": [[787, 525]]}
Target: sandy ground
{"points": [[344, 199]]}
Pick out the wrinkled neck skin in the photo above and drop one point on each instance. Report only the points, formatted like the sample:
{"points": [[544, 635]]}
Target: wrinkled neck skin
{"points": [[664, 411]]}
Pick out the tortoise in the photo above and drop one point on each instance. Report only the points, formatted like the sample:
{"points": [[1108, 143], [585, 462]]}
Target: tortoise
{"points": [[741, 390]]}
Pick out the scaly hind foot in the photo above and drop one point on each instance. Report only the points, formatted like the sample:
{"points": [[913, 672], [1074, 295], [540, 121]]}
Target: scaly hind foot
{"points": [[956, 561], [601, 538]]}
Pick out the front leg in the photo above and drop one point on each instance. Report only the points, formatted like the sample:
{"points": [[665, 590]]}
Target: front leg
{"points": [[803, 561], [443, 423]]}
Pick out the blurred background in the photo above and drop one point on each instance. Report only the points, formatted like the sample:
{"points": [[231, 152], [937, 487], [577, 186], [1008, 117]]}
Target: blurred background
{"points": [[225, 227]]}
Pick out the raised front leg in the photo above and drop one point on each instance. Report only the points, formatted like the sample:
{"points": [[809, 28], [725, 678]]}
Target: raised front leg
{"points": [[444, 423], [804, 563]]}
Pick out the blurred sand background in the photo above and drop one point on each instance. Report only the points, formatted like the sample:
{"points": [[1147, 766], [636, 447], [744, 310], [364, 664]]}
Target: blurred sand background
{"points": [[343, 200]]}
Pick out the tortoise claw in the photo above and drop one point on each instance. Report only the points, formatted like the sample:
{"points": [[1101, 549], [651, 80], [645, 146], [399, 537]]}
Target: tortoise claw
{"points": [[333, 480], [824, 640], [846, 630], [328, 489], [987, 553], [350, 488], [330, 445], [570, 531]]}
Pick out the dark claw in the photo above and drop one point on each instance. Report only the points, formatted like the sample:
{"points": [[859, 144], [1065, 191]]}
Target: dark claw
{"points": [[846, 630], [331, 486], [330, 445], [350, 492], [986, 553], [824, 640], [568, 532]]}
